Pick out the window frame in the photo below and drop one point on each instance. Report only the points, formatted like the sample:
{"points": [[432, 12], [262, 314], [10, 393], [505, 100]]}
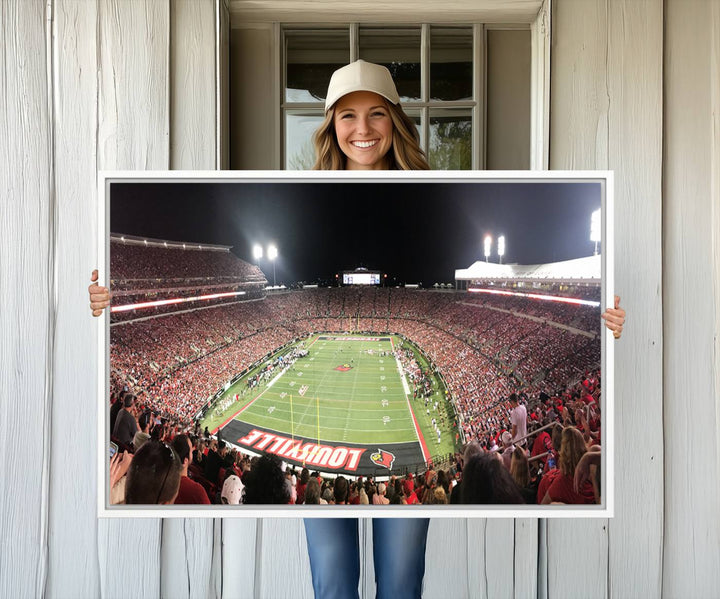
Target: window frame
{"points": [[540, 29]]}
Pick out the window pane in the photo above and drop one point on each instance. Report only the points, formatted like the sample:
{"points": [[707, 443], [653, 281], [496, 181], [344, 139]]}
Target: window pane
{"points": [[450, 139], [311, 58], [399, 51], [299, 150], [508, 100], [415, 117], [451, 55]]}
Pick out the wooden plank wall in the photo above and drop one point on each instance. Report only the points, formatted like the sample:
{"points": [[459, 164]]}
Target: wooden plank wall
{"points": [[606, 113], [116, 84], [27, 316], [691, 302], [74, 567]]}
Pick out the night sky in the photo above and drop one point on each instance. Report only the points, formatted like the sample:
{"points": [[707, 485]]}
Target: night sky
{"points": [[414, 232]]}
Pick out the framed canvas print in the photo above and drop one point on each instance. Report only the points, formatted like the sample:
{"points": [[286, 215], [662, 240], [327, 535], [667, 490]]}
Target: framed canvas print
{"points": [[340, 344]]}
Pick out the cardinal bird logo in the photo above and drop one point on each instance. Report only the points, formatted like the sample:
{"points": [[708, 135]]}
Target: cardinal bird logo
{"points": [[383, 458]]}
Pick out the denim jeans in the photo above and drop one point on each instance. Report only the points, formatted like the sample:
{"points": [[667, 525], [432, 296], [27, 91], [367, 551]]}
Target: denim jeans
{"points": [[398, 553]]}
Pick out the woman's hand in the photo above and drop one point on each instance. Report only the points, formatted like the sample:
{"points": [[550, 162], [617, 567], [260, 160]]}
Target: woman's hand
{"points": [[615, 318], [99, 296]]}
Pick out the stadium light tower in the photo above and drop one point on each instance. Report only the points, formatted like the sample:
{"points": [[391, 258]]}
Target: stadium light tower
{"points": [[257, 251], [501, 247], [595, 229], [272, 254], [488, 246]]}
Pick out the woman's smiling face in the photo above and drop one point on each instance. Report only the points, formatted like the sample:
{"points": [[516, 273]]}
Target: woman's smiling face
{"points": [[364, 130]]}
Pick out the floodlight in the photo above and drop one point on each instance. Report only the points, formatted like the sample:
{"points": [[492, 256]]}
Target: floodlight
{"points": [[488, 245], [595, 228], [257, 251], [501, 247]]}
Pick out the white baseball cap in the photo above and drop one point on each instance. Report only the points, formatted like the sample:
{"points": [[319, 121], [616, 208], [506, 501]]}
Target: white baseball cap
{"points": [[232, 490], [361, 76]]}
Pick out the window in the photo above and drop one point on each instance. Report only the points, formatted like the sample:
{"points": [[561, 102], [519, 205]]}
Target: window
{"points": [[436, 69], [468, 88]]}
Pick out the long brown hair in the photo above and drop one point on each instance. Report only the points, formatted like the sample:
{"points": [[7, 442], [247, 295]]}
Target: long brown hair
{"points": [[405, 154], [519, 468], [571, 450]]}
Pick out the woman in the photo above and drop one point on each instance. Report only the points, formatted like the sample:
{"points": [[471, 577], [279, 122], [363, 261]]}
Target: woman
{"points": [[312, 493], [558, 486], [364, 129], [520, 472], [486, 481]]}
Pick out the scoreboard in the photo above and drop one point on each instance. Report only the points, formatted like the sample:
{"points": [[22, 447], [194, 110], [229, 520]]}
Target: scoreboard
{"points": [[361, 278]]}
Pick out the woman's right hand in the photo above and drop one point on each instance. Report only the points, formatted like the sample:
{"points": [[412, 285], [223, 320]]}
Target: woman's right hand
{"points": [[99, 296]]}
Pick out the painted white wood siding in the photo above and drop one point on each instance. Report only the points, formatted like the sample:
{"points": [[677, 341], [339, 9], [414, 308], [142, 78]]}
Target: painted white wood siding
{"points": [[691, 302], [74, 565], [27, 314], [606, 113]]}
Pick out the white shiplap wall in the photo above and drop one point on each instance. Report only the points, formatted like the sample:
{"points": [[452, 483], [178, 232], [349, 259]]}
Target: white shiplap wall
{"points": [[27, 316], [691, 309], [116, 84], [74, 566], [606, 113], [132, 133]]}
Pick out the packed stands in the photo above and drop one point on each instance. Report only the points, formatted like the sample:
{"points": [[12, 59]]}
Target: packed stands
{"points": [[174, 358]]}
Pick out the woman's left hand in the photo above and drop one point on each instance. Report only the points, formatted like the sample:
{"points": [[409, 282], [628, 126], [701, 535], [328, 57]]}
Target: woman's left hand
{"points": [[615, 318]]}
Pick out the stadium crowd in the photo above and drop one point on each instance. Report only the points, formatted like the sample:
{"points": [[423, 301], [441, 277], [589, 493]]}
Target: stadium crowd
{"points": [[558, 461], [172, 360]]}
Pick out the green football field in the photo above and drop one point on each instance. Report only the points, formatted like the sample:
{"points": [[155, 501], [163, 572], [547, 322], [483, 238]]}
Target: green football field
{"points": [[345, 391]]}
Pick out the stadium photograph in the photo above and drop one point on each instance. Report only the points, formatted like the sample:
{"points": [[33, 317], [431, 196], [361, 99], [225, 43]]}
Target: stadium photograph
{"points": [[358, 342]]}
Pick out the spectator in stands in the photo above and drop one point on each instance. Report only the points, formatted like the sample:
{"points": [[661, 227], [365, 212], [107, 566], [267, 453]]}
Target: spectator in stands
{"points": [[471, 449], [327, 497], [312, 493], [302, 485], [588, 468], [443, 481], [291, 483], [558, 486], [487, 481], [436, 496], [507, 448], [542, 444], [354, 495], [518, 420], [153, 476], [520, 472], [190, 492], [213, 461], [117, 404], [379, 497], [399, 495], [126, 425], [139, 440], [340, 491], [145, 421], [265, 482], [232, 490]]}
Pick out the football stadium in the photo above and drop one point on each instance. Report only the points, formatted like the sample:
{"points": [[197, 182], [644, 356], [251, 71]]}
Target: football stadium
{"points": [[354, 374]]}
